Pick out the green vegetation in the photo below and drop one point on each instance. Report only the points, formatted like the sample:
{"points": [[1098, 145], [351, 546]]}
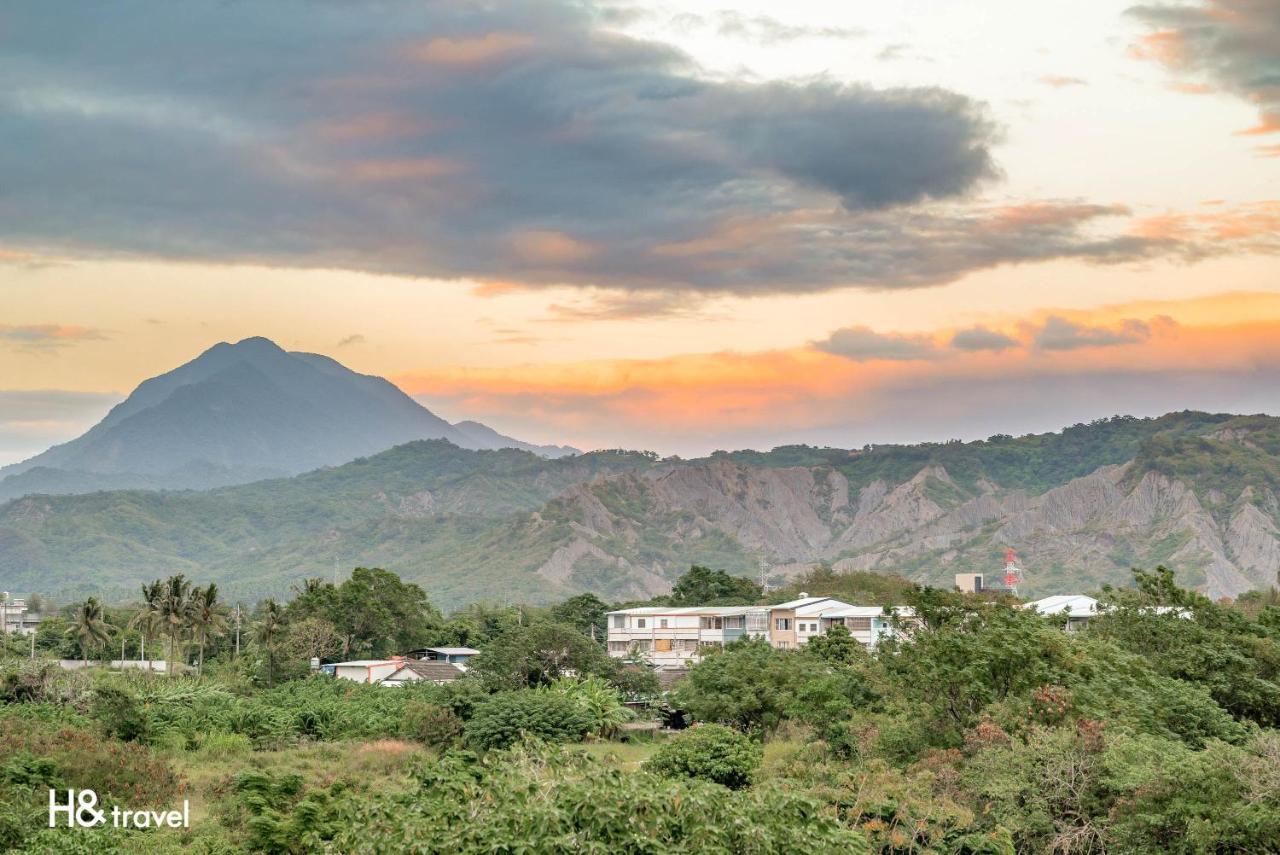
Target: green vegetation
{"points": [[985, 728], [709, 752], [463, 524]]}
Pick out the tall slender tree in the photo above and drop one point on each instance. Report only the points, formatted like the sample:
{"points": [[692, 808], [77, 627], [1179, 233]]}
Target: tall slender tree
{"points": [[146, 620], [90, 628], [267, 633], [207, 618], [173, 614]]}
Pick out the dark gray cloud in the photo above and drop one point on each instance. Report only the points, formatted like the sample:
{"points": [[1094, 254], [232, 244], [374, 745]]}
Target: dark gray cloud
{"points": [[1233, 44], [1058, 333], [863, 344], [981, 338], [353, 339], [503, 141]]}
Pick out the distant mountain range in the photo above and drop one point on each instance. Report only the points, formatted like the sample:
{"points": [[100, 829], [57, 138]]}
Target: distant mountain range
{"points": [[239, 413], [1195, 491]]}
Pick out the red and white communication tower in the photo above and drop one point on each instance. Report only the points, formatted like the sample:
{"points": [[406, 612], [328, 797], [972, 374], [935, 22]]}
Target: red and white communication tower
{"points": [[1012, 572]]}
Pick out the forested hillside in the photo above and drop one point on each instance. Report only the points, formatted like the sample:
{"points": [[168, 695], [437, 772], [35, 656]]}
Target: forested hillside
{"points": [[1192, 490]]}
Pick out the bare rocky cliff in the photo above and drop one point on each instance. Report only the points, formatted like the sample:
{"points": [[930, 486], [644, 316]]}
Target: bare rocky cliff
{"points": [[1082, 534]]}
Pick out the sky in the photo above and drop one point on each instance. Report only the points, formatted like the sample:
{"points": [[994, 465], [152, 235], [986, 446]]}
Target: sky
{"points": [[677, 226]]}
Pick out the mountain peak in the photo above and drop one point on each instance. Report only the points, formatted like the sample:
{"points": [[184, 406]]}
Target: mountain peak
{"points": [[249, 409]]}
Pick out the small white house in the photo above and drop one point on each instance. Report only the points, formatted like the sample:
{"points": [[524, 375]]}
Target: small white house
{"points": [[365, 670]]}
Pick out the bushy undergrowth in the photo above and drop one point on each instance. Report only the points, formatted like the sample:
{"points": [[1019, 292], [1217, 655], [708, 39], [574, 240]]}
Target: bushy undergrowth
{"points": [[709, 752], [542, 799]]}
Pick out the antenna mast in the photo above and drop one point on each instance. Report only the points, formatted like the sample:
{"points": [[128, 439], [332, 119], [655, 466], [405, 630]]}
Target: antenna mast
{"points": [[1012, 572]]}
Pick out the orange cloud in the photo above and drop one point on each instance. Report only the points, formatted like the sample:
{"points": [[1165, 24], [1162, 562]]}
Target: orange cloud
{"points": [[787, 392], [1165, 47], [1270, 124], [374, 126], [550, 247], [402, 169], [1192, 88], [1059, 81], [484, 50], [1255, 225], [41, 336]]}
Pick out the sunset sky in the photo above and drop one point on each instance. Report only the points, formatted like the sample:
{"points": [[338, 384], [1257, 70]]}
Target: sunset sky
{"points": [[675, 226]]}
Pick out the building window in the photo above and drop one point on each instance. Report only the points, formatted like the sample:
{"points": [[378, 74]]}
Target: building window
{"points": [[736, 622], [782, 624], [859, 623], [711, 623], [640, 623], [618, 646], [757, 621], [619, 621], [662, 624]]}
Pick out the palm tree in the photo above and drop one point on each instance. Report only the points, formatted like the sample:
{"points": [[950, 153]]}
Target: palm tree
{"points": [[207, 619], [146, 621], [89, 627], [267, 632], [173, 614]]}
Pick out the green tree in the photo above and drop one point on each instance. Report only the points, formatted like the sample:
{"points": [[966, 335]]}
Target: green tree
{"points": [[836, 646], [709, 752], [508, 717], [207, 618], [586, 613], [267, 631], [599, 701], [89, 628], [702, 586], [539, 654], [1186, 636], [956, 669], [748, 685], [173, 616], [147, 619], [376, 613]]}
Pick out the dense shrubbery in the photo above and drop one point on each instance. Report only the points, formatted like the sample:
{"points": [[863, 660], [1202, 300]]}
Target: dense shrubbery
{"points": [[508, 717], [709, 752], [544, 800], [989, 731], [432, 724]]}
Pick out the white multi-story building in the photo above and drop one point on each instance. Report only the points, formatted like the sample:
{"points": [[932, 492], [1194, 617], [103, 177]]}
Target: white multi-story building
{"points": [[14, 617], [667, 637], [869, 624]]}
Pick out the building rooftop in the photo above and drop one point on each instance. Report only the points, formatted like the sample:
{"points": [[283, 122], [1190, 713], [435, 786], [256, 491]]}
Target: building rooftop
{"points": [[802, 602], [1072, 605], [690, 610], [454, 651], [866, 611], [428, 670]]}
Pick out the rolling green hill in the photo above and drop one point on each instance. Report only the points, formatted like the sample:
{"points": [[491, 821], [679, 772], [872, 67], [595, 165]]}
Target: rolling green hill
{"points": [[1194, 490]]}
